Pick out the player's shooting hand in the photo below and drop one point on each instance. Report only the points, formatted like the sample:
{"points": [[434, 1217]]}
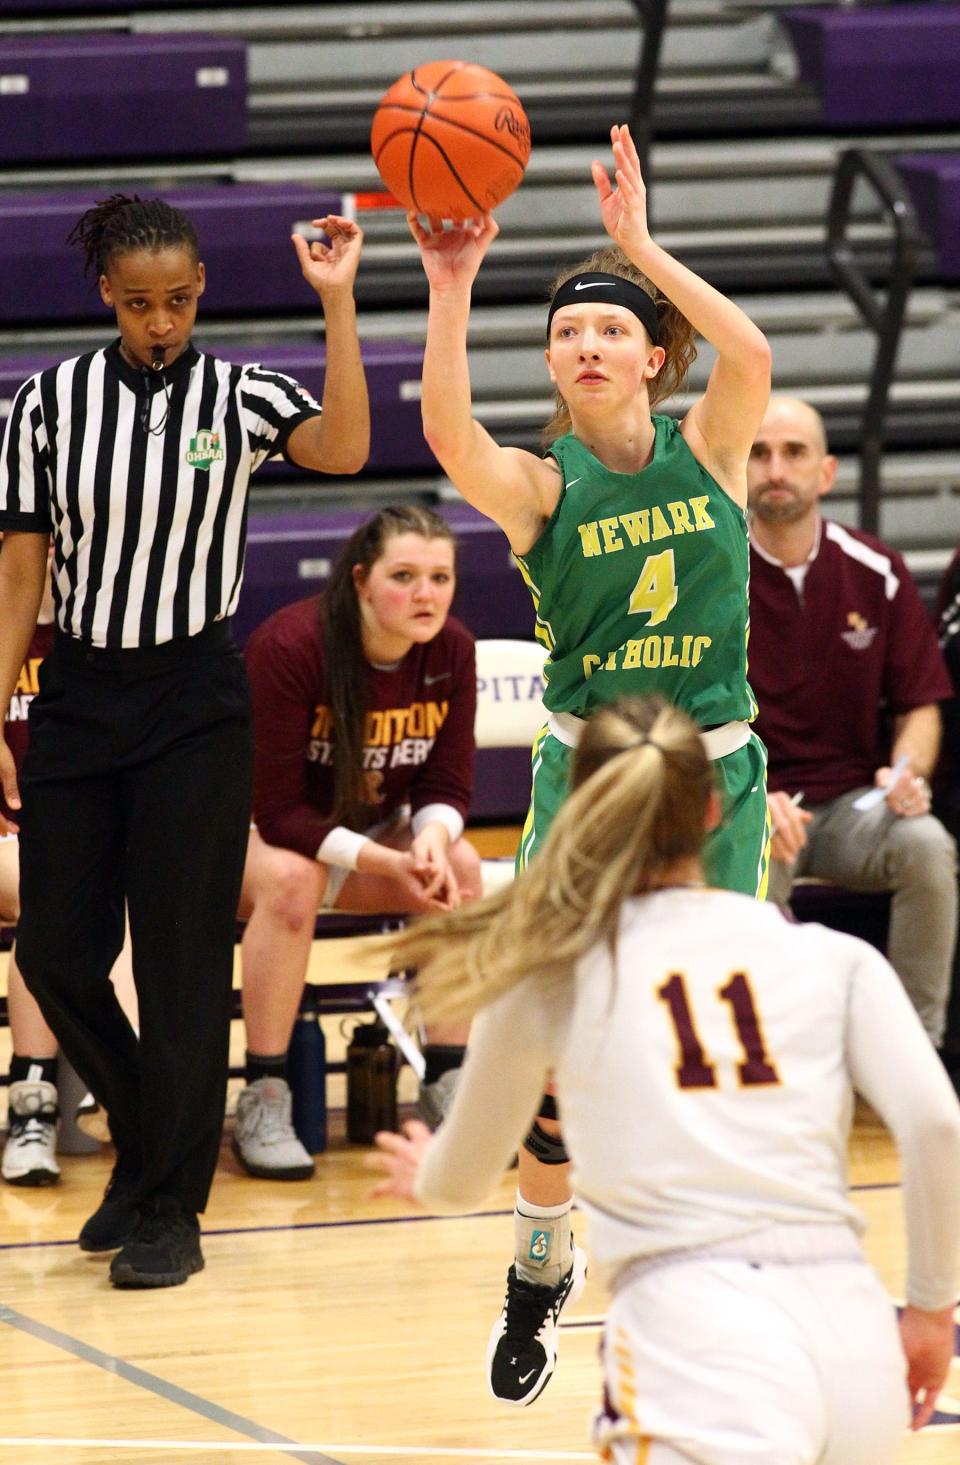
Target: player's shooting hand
{"points": [[400, 1156], [927, 1339], [452, 257], [624, 208], [331, 267]]}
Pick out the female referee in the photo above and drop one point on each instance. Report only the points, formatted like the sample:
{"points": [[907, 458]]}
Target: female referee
{"points": [[631, 535], [136, 786]]}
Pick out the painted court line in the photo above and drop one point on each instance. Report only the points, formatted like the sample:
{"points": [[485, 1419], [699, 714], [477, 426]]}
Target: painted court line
{"points": [[161, 1388], [306, 1451], [412, 1220]]}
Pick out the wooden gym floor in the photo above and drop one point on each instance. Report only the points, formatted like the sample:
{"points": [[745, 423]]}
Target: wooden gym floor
{"points": [[326, 1327]]}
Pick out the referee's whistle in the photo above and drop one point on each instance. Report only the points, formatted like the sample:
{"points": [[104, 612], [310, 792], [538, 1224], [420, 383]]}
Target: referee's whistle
{"points": [[156, 358]]}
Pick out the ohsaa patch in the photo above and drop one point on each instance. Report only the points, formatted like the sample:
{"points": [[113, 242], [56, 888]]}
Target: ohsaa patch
{"points": [[539, 1246], [204, 449]]}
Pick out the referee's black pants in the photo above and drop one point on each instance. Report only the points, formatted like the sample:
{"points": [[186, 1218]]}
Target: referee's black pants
{"points": [[136, 789]]}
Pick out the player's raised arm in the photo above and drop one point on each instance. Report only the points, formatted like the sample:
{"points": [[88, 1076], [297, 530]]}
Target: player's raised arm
{"points": [[514, 488], [721, 426]]}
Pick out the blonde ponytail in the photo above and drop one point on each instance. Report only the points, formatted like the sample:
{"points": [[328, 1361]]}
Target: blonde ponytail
{"points": [[641, 781]]}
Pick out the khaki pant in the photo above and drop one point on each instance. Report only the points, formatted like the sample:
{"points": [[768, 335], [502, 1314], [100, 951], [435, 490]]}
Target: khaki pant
{"points": [[916, 861]]}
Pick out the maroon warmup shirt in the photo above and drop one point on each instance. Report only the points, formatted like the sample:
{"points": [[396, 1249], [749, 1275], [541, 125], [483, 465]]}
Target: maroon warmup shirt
{"points": [[16, 729], [419, 733], [830, 669], [948, 624]]}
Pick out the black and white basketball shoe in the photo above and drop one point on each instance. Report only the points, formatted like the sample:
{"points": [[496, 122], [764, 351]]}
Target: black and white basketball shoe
{"points": [[522, 1352]]}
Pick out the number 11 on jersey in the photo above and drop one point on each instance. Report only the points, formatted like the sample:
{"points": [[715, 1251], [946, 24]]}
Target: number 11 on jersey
{"points": [[694, 1070]]}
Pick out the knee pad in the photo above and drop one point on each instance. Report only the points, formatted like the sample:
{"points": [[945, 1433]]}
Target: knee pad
{"points": [[549, 1149]]}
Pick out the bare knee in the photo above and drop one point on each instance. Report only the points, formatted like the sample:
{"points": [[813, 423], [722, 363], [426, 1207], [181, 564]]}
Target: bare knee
{"points": [[285, 890]]}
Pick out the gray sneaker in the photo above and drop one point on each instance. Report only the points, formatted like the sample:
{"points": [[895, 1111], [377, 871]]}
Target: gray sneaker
{"points": [[435, 1099], [29, 1156], [264, 1140]]}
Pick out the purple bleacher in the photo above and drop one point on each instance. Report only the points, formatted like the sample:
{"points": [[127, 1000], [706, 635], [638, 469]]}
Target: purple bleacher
{"points": [[889, 64], [22, 8], [933, 180], [244, 231], [393, 377], [393, 370], [290, 552], [109, 95]]}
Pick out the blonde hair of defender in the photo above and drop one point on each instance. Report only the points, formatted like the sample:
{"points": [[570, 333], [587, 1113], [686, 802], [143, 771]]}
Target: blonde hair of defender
{"points": [[641, 784]]}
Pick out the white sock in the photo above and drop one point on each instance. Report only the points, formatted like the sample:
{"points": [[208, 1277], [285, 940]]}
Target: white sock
{"points": [[543, 1242]]}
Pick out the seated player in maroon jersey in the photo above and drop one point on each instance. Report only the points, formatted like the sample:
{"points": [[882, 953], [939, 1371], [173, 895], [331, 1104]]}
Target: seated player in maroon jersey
{"points": [[364, 703]]}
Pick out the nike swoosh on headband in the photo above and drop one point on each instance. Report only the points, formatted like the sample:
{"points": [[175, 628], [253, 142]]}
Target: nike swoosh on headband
{"points": [[618, 290]]}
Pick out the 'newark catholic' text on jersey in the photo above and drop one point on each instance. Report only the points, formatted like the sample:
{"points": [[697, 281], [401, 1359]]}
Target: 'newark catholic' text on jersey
{"points": [[640, 584]]}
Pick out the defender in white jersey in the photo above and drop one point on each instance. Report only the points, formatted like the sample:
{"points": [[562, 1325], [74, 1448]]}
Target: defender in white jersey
{"points": [[706, 1054]]}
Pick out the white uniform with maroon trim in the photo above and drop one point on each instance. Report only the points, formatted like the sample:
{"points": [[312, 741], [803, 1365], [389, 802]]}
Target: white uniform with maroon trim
{"points": [[706, 1091]]}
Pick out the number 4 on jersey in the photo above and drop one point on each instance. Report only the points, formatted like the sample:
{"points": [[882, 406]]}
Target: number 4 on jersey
{"points": [[695, 1071], [656, 590]]}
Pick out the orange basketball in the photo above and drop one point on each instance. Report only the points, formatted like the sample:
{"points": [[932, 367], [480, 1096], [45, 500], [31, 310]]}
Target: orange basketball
{"points": [[450, 139]]}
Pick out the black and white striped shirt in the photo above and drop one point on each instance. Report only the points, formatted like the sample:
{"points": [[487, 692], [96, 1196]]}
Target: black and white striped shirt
{"points": [[149, 526]]}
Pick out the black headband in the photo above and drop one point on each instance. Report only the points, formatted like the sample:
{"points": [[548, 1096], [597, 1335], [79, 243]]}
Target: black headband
{"points": [[613, 289]]}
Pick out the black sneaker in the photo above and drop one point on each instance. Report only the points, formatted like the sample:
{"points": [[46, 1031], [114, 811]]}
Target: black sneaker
{"points": [[114, 1220], [522, 1352], [163, 1251]]}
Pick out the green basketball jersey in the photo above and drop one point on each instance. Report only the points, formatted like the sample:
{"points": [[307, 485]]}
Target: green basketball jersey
{"points": [[640, 584]]}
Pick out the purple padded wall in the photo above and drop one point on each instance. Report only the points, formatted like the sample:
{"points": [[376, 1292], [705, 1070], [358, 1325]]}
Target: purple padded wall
{"points": [[889, 64], [107, 95], [244, 231], [934, 183], [393, 378], [393, 370]]}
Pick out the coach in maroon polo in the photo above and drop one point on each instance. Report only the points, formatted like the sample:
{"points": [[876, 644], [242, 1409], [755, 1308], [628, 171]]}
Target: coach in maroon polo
{"points": [[845, 665]]}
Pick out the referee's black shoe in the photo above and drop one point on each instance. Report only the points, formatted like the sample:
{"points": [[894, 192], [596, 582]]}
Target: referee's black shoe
{"points": [[116, 1217], [163, 1251], [522, 1352]]}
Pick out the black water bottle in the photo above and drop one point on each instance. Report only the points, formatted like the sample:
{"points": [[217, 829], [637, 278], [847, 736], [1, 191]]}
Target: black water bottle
{"points": [[307, 1073], [371, 1082]]}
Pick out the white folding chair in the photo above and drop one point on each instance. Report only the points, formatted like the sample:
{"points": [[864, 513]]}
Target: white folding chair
{"points": [[510, 713]]}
